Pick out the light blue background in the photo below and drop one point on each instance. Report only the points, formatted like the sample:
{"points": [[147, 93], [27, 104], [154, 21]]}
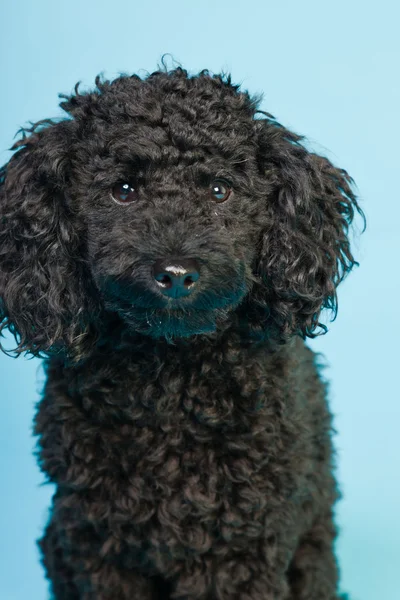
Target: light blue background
{"points": [[329, 70]]}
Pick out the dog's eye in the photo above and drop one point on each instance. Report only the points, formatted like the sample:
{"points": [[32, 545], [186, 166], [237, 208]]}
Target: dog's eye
{"points": [[124, 193], [220, 190]]}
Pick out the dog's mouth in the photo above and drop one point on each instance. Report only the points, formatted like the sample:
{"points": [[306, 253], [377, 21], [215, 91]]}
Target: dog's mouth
{"points": [[145, 310], [177, 321], [172, 323], [175, 318]]}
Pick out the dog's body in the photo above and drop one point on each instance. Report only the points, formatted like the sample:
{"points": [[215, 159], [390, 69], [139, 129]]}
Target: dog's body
{"points": [[228, 489], [184, 421]]}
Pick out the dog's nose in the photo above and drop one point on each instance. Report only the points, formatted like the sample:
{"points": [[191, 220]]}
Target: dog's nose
{"points": [[176, 277]]}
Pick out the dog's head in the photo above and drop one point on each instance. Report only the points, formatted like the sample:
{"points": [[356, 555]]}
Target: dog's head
{"points": [[173, 202]]}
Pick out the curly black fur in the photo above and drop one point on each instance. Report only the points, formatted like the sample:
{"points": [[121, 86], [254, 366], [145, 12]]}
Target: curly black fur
{"points": [[190, 440]]}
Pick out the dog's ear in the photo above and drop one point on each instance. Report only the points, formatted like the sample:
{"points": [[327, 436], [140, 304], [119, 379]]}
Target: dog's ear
{"points": [[305, 250], [43, 296]]}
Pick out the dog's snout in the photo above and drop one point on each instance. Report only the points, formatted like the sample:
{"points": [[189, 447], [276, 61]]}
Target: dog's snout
{"points": [[176, 277]]}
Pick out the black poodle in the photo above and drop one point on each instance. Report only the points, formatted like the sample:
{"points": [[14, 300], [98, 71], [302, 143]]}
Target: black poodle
{"points": [[167, 248]]}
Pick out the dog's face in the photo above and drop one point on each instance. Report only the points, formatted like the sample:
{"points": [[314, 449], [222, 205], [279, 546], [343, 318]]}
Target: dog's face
{"points": [[167, 202], [172, 248], [174, 211]]}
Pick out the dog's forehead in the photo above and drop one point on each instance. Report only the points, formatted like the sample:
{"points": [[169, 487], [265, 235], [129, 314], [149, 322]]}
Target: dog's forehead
{"points": [[141, 123], [175, 138], [191, 107], [154, 154]]}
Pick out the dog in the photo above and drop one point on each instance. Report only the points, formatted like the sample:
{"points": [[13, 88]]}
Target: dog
{"points": [[167, 248]]}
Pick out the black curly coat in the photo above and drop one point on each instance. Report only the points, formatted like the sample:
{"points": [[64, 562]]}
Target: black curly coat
{"points": [[189, 436]]}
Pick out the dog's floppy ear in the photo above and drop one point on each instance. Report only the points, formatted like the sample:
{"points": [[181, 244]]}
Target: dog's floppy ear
{"points": [[42, 295], [305, 251]]}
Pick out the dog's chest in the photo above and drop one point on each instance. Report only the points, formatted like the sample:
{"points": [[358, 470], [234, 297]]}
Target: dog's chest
{"points": [[186, 491], [184, 464], [184, 460]]}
